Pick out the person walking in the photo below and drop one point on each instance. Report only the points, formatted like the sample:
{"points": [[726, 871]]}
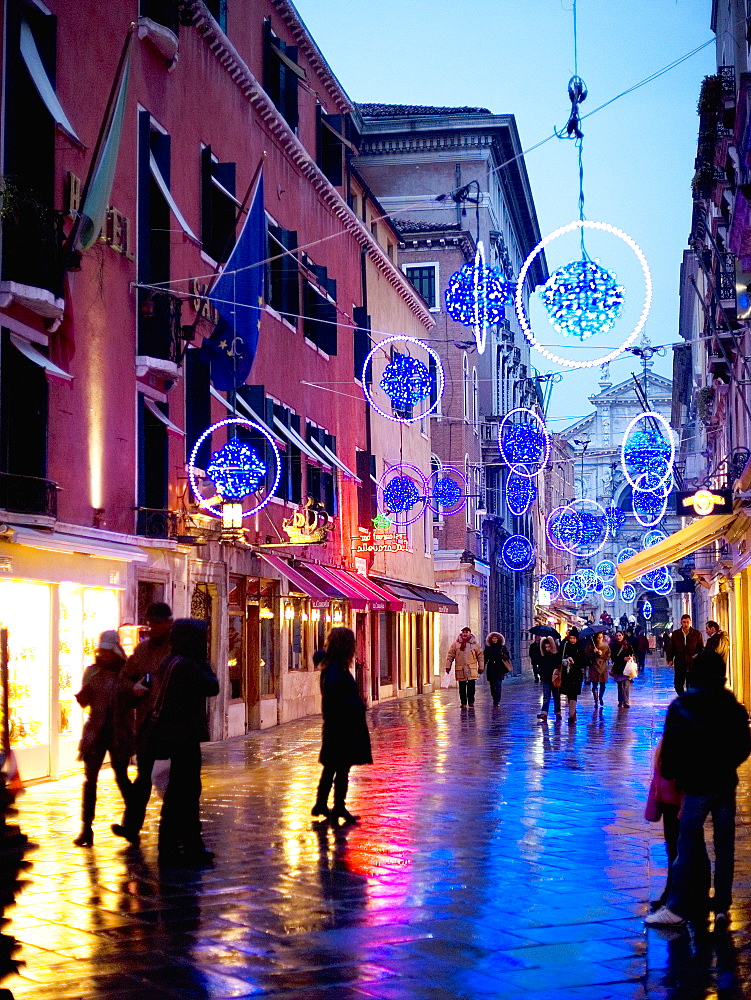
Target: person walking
{"points": [[141, 679], [466, 656], [345, 738], [664, 803], [599, 661], [108, 729], [572, 670], [497, 661], [174, 729], [534, 657], [550, 662], [705, 739], [641, 648], [685, 643], [620, 651], [717, 641]]}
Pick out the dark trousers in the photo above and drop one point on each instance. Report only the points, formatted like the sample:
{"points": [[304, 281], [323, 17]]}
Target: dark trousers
{"points": [[679, 680], [689, 873], [549, 691], [138, 798], [338, 776], [180, 824], [641, 659], [92, 766], [496, 688], [670, 827], [467, 692], [598, 690]]}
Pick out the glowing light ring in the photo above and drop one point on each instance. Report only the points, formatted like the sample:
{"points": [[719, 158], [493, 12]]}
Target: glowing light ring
{"points": [[517, 553], [440, 378], [521, 493], [551, 585], [406, 381], [616, 519], [480, 288], [653, 579], [563, 524], [573, 591], [652, 537], [582, 299], [648, 508], [606, 570], [664, 586], [608, 594], [650, 483], [628, 594], [519, 294], [588, 544], [625, 553], [588, 579], [668, 437], [192, 466], [646, 610], [421, 487], [434, 481], [538, 437]]}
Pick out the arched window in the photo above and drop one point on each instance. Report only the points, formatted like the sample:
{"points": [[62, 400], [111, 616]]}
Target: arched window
{"points": [[470, 500], [475, 400], [465, 386]]}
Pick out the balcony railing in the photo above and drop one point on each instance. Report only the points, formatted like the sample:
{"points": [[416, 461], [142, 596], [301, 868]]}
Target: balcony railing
{"points": [[32, 241], [28, 495]]}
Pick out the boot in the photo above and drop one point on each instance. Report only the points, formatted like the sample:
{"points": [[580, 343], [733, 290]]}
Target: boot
{"points": [[85, 838], [319, 809], [340, 812]]}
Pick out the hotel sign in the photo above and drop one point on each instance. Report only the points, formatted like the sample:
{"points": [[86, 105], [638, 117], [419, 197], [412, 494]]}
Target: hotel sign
{"points": [[703, 502]]}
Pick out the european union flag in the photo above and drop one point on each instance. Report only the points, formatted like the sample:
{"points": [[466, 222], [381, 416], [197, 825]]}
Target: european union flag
{"points": [[237, 296]]}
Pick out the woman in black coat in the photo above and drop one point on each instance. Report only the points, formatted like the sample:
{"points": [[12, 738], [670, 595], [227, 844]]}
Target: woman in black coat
{"points": [[346, 740], [497, 661], [573, 662], [550, 661]]}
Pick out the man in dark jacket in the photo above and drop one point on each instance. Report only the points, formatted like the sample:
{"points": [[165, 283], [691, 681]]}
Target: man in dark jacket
{"points": [[535, 657], [685, 643], [706, 738], [717, 641]]}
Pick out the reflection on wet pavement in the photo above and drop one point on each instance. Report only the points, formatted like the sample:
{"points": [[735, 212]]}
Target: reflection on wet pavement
{"points": [[496, 857]]}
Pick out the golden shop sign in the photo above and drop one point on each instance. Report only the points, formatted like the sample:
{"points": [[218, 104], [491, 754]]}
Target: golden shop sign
{"points": [[703, 502]]}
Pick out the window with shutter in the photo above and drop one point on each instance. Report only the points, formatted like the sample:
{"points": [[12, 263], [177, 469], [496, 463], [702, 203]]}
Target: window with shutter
{"points": [[332, 145], [281, 74], [197, 406], [282, 273], [320, 319], [362, 344], [219, 206]]}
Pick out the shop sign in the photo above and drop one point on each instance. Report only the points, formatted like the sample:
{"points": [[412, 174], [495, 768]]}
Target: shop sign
{"points": [[377, 539], [703, 502], [308, 525]]}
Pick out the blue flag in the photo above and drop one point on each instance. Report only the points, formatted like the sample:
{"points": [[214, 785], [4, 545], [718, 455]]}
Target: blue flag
{"points": [[237, 296]]}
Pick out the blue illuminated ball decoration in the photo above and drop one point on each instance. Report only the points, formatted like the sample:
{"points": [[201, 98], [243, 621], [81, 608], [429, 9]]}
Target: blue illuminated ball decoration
{"points": [[573, 591], [653, 579], [664, 586], [446, 492], [588, 579], [551, 585], [523, 444], [401, 494], [616, 518], [608, 594], [406, 381], [599, 586], [518, 553], [648, 452], [593, 528], [582, 299], [563, 528], [646, 610], [605, 569], [624, 554], [649, 508], [236, 470], [474, 282], [652, 537], [628, 594], [520, 494]]}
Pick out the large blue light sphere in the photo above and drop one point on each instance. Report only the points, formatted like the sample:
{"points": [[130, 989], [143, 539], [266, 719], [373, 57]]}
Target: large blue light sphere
{"points": [[401, 494], [406, 381], [518, 553], [550, 584], [523, 444], [446, 492], [236, 470], [477, 293], [648, 451], [573, 591], [582, 299], [628, 594], [520, 494]]}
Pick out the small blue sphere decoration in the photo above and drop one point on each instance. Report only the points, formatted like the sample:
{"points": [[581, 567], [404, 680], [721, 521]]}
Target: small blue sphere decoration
{"points": [[646, 610], [626, 553], [608, 594], [628, 594], [401, 494], [477, 293], [652, 537], [605, 569], [520, 494], [563, 528], [654, 578], [236, 470], [582, 299], [588, 579], [517, 553], [573, 591], [616, 518], [664, 583], [551, 585], [647, 451], [648, 508], [446, 492], [599, 587], [406, 381], [523, 444]]}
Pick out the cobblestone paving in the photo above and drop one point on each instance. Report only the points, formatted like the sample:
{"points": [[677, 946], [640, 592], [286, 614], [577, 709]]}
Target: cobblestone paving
{"points": [[496, 857]]}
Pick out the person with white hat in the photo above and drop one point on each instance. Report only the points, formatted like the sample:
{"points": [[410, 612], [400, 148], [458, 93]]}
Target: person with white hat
{"points": [[108, 729]]}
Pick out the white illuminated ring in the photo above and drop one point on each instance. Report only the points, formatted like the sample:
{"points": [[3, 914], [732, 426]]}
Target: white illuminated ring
{"points": [[440, 380], [420, 481], [224, 423], [519, 294], [520, 468], [481, 322], [658, 417]]}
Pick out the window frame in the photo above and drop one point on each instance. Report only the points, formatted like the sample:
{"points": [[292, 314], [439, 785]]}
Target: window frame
{"points": [[435, 265]]}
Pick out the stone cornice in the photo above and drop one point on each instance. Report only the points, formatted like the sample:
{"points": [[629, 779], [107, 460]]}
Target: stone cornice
{"points": [[438, 241], [238, 70]]}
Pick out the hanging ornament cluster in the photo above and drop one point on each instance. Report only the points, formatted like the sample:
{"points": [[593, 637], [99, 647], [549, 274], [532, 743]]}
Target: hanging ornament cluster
{"points": [[406, 380], [582, 299], [517, 553], [524, 442], [647, 456], [580, 528], [520, 494], [587, 578], [573, 591], [628, 594], [605, 569], [616, 518], [476, 295], [550, 584]]}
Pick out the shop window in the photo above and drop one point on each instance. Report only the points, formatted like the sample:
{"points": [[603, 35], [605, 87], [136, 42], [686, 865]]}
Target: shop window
{"points": [[281, 74], [219, 206], [32, 238], [197, 406], [268, 627], [152, 520], [332, 144], [362, 343], [319, 319], [297, 618], [236, 638], [282, 274], [385, 644], [23, 434], [423, 277]]}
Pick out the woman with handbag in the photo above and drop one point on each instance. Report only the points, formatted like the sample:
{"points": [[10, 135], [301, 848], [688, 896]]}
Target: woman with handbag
{"points": [[572, 670], [599, 661], [497, 664], [550, 676], [623, 668], [465, 655]]}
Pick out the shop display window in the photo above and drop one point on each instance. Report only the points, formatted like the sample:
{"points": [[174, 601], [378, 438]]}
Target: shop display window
{"points": [[267, 632], [25, 610], [298, 618], [236, 638]]}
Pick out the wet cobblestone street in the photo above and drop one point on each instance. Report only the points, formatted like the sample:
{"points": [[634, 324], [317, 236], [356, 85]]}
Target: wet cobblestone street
{"points": [[496, 857]]}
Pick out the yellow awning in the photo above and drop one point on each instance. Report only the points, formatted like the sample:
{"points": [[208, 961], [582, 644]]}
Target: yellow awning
{"points": [[682, 543]]}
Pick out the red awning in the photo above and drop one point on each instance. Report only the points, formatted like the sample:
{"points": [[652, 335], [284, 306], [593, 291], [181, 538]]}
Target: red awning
{"points": [[318, 597], [342, 582], [386, 601]]}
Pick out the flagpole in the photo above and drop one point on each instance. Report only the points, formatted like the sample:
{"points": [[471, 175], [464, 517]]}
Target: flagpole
{"points": [[109, 110]]}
